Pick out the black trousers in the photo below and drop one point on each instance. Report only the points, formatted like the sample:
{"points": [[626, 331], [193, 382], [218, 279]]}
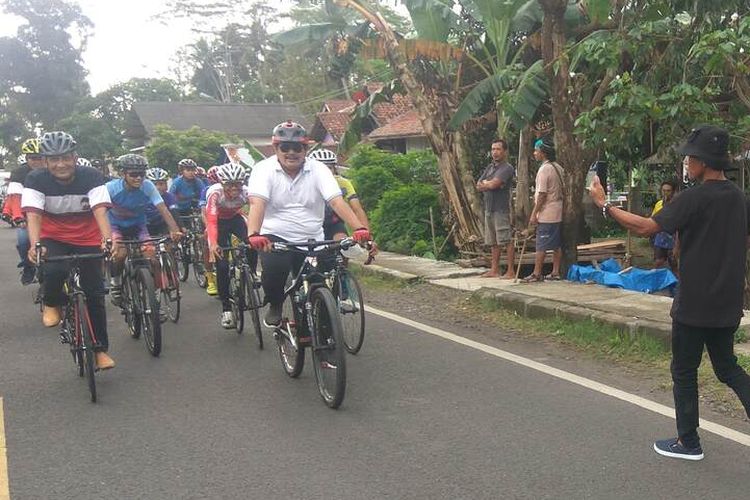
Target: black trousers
{"points": [[226, 228], [55, 274], [687, 352]]}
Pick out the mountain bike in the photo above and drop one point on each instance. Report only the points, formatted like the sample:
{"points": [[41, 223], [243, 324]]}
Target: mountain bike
{"points": [[192, 250], [139, 304], [244, 289], [76, 328], [350, 301], [169, 293], [310, 318]]}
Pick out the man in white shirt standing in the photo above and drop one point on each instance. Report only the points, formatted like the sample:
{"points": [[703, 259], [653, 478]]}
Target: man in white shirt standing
{"points": [[288, 194]]}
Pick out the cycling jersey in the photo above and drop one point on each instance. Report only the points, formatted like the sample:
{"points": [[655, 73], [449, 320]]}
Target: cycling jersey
{"points": [[219, 207], [12, 207], [67, 208], [348, 192], [152, 214], [129, 205], [187, 192], [202, 200]]}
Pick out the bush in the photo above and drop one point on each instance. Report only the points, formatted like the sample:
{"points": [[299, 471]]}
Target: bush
{"points": [[402, 218], [416, 166], [371, 183]]}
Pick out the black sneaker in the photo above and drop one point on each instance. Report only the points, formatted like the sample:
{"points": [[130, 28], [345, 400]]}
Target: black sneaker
{"points": [[674, 449], [273, 316], [28, 275]]}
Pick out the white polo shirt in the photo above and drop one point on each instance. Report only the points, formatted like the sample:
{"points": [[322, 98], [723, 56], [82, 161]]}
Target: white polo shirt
{"points": [[294, 206]]}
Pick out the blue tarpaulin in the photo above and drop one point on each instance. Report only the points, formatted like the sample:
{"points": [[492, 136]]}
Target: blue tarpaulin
{"points": [[608, 274]]}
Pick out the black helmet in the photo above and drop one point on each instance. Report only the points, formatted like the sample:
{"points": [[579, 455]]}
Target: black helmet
{"points": [[57, 143], [132, 161]]}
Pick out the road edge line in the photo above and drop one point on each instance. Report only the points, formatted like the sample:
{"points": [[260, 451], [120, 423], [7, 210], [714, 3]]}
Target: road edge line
{"points": [[4, 483], [647, 404]]}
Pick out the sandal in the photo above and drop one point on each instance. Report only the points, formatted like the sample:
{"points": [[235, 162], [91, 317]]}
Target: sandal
{"points": [[532, 278], [553, 277]]}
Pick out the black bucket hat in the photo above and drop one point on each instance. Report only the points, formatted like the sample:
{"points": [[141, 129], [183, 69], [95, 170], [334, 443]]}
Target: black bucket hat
{"points": [[710, 144]]}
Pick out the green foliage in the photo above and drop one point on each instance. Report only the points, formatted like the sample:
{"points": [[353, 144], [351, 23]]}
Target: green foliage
{"points": [[371, 183], [168, 146], [415, 166], [95, 137], [402, 218], [114, 104]]}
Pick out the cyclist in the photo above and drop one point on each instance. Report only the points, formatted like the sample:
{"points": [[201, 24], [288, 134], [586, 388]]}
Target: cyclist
{"points": [[224, 204], [66, 211], [211, 179], [83, 162], [130, 195], [288, 194], [31, 160], [155, 223], [187, 187]]}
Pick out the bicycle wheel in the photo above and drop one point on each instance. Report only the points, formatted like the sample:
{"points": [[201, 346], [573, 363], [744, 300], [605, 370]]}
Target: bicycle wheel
{"points": [[199, 266], [182, 261], [149, 309], [170, 290], [130, 307], [253, 305], [351, 309], [85, 343], [329, 357], [292, 360], [237, 296]]}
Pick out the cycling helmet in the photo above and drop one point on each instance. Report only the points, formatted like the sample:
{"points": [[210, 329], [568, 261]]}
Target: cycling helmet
{"points": [[211, 174], [324, 155], [30, 146], [82, 162], [21, 159], [230, 172], [186, 163], [289, 131], [157, 174], [132, 161], [200, 172], [56, 143]]}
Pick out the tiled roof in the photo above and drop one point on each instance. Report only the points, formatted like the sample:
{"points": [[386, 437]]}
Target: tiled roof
{"points": [[406, 125], [385, 112], [337, 105], [334, 123]]}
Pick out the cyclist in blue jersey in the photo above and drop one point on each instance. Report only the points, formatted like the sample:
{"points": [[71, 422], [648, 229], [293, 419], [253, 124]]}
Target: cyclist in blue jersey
{"points": [[156, 224], [187, 187], [130, 195]]}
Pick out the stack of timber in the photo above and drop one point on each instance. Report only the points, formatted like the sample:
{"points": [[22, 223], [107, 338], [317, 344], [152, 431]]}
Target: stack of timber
{"points": [[599, 251]]}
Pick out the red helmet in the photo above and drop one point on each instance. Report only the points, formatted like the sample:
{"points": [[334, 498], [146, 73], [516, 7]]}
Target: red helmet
{"points": [[211, 175], [289, 131]]}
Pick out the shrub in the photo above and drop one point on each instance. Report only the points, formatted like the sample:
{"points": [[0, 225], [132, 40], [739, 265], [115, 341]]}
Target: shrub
{"points": [[415, 166], [371, 183], [402, 217]]}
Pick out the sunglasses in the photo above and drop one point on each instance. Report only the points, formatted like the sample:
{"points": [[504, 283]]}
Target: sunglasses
{"points": [[233, 184], [136, 175], [296, 147], [34, 157]]}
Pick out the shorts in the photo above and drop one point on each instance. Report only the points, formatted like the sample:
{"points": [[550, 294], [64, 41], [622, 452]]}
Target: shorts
{"points": [[330, 230], [137, 232], [548, 236], [497, 228], [158, 228]]}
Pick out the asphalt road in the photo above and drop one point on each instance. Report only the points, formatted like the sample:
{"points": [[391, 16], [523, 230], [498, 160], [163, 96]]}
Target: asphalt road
{"points": [[214, 417]]}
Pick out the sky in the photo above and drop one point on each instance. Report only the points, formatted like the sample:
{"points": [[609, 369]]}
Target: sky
{"points": [[126, 41]]}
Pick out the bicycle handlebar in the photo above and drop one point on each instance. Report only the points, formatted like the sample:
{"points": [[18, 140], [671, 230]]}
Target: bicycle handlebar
{"points": [[309, 246], [80, 256], [160, 239]]}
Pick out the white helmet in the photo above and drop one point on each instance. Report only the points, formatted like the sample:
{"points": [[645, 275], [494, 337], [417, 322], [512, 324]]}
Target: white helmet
{"points": [[230, 172], [157, 174], [82, 162], [21, 159], [324, 155]]}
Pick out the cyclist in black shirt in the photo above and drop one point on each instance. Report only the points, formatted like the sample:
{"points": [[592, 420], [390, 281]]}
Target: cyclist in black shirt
{"points": [[711, 221]]}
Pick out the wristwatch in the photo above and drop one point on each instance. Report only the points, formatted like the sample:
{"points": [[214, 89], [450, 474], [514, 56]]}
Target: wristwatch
{"points": [[605, 209]]}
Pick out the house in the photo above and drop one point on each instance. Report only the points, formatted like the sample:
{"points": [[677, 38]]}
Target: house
{"points": [[251, 122], [394, 126]]}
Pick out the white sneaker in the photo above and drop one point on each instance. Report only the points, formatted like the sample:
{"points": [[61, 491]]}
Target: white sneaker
{"points": [[227, 320]]}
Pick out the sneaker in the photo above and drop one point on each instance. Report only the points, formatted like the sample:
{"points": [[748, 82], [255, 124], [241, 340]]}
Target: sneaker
{"points": [[51, 316], [227, 320], [28, 275], [273, 316], [673, 448], [104, 361]]}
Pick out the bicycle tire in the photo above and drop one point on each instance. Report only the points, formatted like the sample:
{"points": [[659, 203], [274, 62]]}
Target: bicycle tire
{"points": [[149, 311], [85, 343], [351, 308], [253, 305], [199, 266], [130, 308], [182, 261], [292, 360], [170, 288], [329, 357]]}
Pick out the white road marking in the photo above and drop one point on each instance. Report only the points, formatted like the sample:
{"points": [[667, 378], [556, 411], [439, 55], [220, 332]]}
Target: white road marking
{"points": [[4, 488], [719, 430]]}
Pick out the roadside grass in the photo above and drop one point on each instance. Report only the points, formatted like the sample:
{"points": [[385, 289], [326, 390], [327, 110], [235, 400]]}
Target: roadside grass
{"points": [[643, 354]]}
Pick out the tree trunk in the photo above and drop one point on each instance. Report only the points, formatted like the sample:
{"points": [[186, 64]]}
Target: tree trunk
{"points": [[523, 181]]}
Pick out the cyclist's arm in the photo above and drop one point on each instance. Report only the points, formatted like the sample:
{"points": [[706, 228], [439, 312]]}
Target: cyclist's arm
{"points": [[255, 217], [100, 214], [346, 213], [212, 220], [167, 216], [359, 211]]}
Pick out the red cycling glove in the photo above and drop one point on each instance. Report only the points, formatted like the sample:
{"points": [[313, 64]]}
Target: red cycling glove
{"points": [[362, 235], [258, 242]]}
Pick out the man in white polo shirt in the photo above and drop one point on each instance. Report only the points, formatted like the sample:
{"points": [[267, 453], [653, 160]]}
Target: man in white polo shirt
{"points": [[288, 195]]}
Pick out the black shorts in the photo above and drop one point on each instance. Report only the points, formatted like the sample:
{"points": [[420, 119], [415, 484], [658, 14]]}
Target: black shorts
{"points": [[157, 229]]}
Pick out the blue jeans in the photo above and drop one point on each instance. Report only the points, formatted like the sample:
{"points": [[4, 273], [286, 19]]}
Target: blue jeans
{"points": [[23, 245]]}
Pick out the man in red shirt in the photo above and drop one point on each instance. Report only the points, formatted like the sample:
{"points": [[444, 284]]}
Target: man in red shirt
{"points": [[66, 211]]}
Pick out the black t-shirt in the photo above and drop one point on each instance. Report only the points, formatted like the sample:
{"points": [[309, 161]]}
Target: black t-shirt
{"points": [[711, 221], [19, 174]]}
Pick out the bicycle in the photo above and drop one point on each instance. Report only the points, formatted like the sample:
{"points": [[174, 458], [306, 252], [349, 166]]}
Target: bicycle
{"points": [[244, 287], [310, 318], [139, 304], [191, 250], [169, 293], [76, 328], [350, 301]]}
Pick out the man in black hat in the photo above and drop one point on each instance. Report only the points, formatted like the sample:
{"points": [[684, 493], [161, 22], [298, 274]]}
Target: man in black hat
{"points": [[711, 221]]}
